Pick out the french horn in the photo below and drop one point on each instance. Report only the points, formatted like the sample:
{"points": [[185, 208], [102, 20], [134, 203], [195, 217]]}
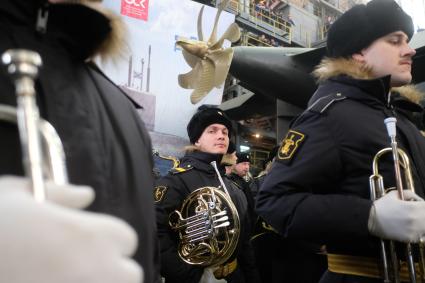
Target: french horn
{"points": [[208, 226]]}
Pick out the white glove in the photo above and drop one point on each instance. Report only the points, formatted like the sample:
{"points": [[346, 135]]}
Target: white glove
{"points": [[400, 220], [48, 243], [208, 276], [70, 196]]}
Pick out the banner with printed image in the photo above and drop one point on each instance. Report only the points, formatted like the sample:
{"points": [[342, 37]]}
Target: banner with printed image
{"points": [[151, 69]]}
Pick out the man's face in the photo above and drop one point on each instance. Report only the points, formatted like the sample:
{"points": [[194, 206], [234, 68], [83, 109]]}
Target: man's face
{"points": [[389, 55], [241, 168], [214, 139]]}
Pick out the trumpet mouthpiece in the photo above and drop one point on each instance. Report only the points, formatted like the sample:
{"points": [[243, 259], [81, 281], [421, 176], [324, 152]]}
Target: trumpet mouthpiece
{"points": [[390, 123]]}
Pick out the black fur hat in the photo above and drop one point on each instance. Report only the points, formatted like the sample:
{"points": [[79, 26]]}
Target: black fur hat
{"points": [[362, 24], [203, 119], [243, 157], [231, 148]]}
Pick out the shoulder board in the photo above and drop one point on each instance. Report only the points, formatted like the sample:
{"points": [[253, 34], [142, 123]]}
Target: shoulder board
{"points": [[323, 103], [182, 169]]}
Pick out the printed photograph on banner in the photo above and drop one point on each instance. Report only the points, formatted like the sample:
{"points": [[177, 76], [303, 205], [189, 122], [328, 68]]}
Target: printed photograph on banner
{"points": [[149, 72]]}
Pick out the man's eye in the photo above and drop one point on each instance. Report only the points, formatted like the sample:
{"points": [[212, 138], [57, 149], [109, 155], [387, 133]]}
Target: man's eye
{"points": [[394, 41]]}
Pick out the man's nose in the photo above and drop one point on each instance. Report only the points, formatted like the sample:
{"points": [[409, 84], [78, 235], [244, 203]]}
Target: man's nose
{"points": [[409, 51], [221, 135]]}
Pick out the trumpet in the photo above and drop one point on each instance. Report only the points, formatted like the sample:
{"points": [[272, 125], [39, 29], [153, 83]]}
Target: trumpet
{"points": [[39, 140], [391, 265]]}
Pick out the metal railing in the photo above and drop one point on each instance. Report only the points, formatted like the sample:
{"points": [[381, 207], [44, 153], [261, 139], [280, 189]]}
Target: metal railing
{"points": [[275, 24], [262, 17], [249, 40], [259, 15]]}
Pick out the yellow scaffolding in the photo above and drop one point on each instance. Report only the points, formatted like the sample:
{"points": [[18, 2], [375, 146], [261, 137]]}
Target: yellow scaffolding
{"points": [[262, 17], [249, 40]]}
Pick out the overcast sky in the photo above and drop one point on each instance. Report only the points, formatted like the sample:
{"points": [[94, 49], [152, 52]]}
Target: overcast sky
{"points": [[416, 9]]}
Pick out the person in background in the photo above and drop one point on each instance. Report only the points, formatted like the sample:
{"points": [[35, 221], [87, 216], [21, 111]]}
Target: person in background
{"points": [[318, 188], [259, 179], [230, 158], [239, 176], [106, 144]]}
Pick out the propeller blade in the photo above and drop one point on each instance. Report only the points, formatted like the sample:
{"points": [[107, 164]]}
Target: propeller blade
{"points": [[213, 37], [222, 60], [190, 59], [233, 33], [205, 81], [189, 79], [200, 33], [194, 47]]}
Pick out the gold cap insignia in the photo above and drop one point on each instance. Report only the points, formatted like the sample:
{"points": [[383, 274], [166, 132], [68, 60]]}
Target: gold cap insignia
{"points": [[290, 144], [159, 193]]}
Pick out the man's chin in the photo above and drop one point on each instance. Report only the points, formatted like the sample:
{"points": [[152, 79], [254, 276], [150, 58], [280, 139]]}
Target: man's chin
{"points": [[219, 151], [401, 80]]}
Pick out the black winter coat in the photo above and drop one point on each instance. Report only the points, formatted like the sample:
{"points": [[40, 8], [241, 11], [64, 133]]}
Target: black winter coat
{"points": [[196, 172], [318, 188], [106, 144], [245, 187]]}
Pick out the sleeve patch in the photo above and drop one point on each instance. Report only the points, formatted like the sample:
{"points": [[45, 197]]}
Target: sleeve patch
{"points": [[159, 193], [290, 144]]}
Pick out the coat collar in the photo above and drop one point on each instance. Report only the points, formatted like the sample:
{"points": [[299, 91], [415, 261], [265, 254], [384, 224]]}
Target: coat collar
{"points": [[202, 161], [352, 73]]}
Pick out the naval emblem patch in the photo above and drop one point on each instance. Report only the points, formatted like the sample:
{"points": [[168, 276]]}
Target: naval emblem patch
{"points": [[290, 144], [159, 193]]}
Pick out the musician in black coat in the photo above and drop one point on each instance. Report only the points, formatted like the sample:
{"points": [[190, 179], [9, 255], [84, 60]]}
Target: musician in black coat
{"points": [[318, 188], [239, 176], [209, 132], [106, 144]]}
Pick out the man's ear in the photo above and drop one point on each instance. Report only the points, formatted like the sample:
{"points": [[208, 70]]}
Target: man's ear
{"points": [[359, 57], [197, 143]]}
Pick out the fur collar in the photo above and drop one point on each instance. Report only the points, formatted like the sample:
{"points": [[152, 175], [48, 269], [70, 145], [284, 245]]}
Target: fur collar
{"points": [[114, 45], [331, 67]]}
